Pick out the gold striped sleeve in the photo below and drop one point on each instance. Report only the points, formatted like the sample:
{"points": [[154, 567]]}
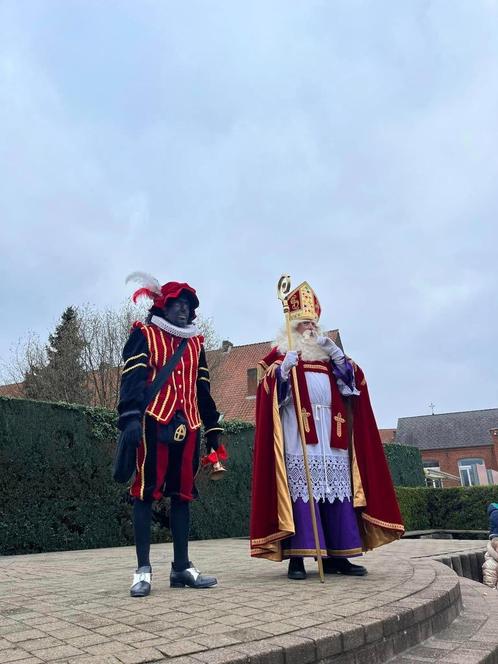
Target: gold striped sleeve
{"points": [[135, 366], [134, 357]]}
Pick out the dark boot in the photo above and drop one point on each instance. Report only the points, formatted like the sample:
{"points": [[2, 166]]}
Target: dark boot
{"points": [[142, 580], [190, 577], [343, 566], [296, 570]]}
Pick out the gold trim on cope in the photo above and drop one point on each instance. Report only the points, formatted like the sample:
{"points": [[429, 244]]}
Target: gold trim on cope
{"points": [[359, 499], [284, 506], [383, 524], [374, 536]]}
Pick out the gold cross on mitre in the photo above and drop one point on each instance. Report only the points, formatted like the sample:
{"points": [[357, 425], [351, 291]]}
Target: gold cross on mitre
{"points": [[340, 421]]}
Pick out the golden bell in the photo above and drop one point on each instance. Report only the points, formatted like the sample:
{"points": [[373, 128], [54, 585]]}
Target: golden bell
{"points": [[217, 471]]}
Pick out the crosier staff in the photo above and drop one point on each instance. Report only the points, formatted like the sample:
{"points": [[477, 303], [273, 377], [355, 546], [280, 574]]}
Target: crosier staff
{"points": [[283, 289]]}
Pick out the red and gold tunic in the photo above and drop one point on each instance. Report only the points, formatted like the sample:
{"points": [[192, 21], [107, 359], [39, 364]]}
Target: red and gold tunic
{"points": [[180, 390], [162, 468]]}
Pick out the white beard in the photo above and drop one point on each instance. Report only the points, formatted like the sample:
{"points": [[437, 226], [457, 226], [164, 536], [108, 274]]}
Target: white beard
{"points": [[304, 343]]}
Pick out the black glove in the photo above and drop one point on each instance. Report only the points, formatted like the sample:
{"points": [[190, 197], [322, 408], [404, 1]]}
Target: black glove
{"points": [[212, 441], [132, 433]]}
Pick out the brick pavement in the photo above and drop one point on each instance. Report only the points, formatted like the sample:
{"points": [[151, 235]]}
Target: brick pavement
{"points": [[75, 606]]}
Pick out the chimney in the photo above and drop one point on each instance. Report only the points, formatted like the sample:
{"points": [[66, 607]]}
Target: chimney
{"points": [[226, 346]]}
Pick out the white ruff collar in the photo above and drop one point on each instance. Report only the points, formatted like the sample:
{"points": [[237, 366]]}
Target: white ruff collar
{"points": [[184, 332]]}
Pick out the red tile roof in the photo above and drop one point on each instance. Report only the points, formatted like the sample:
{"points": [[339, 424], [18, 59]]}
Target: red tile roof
{"points": [[228, 371], [387, 435], [12, 390]]}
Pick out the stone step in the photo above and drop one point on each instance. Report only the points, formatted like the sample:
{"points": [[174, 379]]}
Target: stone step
{"points": [[402, 618], [472, 638], [467, 564]]}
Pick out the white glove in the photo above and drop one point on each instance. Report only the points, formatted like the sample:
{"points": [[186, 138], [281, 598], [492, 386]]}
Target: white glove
{"points": [[331, 348], [290, 360]]}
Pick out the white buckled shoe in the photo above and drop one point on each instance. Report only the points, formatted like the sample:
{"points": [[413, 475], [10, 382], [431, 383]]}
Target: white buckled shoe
{"points": [[142, 580]]}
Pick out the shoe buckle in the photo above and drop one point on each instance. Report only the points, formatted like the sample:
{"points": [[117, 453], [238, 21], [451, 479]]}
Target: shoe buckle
{"points": [[142, 576]]}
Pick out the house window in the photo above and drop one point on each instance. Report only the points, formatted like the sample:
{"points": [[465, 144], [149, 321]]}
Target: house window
{"points": [[252, 382], [468, 471], [435, 482]]}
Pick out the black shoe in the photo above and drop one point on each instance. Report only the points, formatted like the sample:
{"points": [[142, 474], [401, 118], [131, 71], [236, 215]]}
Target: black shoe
{"points": [[142, 580], [190, 577], [296, 570], [343, 566]]}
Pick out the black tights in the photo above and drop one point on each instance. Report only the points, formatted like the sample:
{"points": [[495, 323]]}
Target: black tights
{"points": [[179, 523]]}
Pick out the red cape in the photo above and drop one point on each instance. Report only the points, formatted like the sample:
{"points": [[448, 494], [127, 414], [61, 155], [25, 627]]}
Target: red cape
{"points": [[377, 510]]}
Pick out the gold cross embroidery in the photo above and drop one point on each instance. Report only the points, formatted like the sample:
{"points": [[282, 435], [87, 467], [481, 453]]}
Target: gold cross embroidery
{"points": [[340, 421], [305, 415]]}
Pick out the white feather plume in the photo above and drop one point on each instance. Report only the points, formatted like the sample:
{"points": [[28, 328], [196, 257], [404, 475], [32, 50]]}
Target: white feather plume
{"points": [[145, 281]]}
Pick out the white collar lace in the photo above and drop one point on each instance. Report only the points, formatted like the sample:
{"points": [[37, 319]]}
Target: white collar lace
{"points": [[184, 332]]}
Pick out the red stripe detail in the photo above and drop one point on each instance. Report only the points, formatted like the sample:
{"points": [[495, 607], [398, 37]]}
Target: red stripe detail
{"points": [[187, 473], [137, 482]]}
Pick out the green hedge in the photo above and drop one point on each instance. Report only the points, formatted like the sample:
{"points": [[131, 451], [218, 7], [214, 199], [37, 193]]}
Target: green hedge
{"points": [[459, 508], [56, 492], [413, 503], [406, 465]]}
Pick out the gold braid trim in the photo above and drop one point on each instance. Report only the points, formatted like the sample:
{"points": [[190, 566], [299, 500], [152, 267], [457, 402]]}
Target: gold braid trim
{"points": [[383, 524], [270, 547], [135, 366], [134, 357]]}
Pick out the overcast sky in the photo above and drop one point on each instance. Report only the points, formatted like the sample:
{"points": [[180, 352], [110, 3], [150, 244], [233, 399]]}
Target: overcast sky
{"points": [[352, 144]]}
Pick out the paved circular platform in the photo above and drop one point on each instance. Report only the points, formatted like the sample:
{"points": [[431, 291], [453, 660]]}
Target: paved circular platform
{"points": [[75, 607]]}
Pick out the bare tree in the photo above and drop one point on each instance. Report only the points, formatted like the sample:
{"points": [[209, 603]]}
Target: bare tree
{"points": [[103, 334], [206, 327], [27, 354]]}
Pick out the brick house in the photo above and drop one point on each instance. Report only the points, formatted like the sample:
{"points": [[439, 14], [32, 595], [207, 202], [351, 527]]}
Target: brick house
{"points": [[464, 444]]}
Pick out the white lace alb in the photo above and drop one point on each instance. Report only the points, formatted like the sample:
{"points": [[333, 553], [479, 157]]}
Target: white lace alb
{"points": [[330, 477]]}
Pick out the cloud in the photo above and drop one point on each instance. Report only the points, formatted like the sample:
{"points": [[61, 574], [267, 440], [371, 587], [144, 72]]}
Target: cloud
{"points": [[349, 145]]}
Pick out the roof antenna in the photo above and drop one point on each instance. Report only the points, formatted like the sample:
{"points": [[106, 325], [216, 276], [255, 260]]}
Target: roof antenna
{"points": [[432, 406]]}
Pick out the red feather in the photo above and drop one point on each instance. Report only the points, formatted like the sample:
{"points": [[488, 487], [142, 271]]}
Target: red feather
{"points": [[143, 292]]}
